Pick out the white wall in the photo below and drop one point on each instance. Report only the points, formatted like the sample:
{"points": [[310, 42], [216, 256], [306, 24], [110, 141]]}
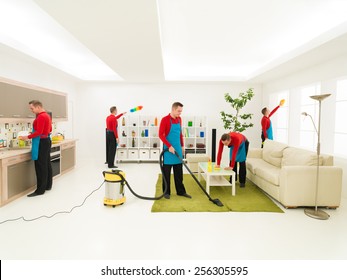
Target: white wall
{"points": [[326, 74], [94, 101]]}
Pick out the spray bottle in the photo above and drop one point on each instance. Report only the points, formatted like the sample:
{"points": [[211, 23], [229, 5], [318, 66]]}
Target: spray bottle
{"points": [[209, 166]]}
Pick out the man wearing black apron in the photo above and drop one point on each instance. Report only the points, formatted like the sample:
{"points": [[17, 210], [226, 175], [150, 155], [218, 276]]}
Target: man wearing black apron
{"points": [[170, 133], [41, 148]]}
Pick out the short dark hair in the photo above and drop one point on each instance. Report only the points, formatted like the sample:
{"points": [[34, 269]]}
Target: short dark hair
{"points": [[225, 136], [176, 104], [112, 109], [35, 103], [263, 110]]}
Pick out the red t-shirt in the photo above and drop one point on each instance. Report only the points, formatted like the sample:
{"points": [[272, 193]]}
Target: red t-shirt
{"points": [[165, 126], [112, 123], [42, 126], [236, 140]]}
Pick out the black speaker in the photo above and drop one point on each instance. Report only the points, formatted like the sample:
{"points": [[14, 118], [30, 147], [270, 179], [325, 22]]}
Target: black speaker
{"points": [[213, 149]]}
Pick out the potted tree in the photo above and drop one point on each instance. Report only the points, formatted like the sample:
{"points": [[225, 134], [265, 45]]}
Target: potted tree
{"points": [[237, 121]]}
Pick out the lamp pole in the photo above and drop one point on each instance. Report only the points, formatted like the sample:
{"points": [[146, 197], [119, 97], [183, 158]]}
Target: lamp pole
{"points": [[317, 213]]}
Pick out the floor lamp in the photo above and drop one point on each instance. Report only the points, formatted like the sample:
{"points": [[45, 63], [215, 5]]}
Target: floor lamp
{"points": [[316, 213]]}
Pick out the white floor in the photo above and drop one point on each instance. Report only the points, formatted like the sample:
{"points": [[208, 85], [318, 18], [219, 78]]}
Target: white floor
{"points": [[132, 232]]}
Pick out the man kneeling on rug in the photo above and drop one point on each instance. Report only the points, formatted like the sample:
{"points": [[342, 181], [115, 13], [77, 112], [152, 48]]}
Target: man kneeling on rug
{"points": [[238, 145]]}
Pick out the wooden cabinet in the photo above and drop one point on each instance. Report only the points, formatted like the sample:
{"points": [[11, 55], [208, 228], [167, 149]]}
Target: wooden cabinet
{"points": [[17, 171], [68, 156], [17, 176], [20, 178], [15, 100]]}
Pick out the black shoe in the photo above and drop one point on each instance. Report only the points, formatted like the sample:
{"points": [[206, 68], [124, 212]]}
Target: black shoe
{"points": [[113, 166], [34, 194], [185, 195], [167, 196], [242, 185], [49, 189]]}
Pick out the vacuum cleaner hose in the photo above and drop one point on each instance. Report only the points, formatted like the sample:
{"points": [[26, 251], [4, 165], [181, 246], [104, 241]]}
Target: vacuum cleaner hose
{"points": [[146, 197], [215, 201]]}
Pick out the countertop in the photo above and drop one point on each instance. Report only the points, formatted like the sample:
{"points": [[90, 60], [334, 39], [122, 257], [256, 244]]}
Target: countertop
{"points": [[10, 152]]}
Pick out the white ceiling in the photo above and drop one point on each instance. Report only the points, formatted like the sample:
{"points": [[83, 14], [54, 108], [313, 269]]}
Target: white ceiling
{"points": [[203, 40]]}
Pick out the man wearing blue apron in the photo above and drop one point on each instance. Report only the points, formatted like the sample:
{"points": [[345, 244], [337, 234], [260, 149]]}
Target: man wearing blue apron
{"points": [[266, 124], [238, 145], [41, 147], [170, 133]]}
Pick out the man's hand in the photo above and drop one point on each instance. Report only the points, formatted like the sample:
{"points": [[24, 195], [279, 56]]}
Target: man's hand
{"points": [[172, 150], [282, 102], [228, 168]]}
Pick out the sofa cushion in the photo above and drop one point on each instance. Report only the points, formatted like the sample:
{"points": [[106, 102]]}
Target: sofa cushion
{"points": [[268, 172], [296, 156], [273, 152], [253, 163]]}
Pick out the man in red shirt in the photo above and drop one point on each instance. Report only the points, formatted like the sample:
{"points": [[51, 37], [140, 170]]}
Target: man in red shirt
{"points": [[266, 125], [41, 148], [170, 133], [112, 135], [238, 145]]}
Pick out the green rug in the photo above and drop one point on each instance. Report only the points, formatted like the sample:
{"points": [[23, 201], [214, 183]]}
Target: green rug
{"points": [[248, 199]]}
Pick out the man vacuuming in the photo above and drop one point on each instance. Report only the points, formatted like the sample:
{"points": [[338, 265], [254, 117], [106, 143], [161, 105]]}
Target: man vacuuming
{"points": [[170, 133]]}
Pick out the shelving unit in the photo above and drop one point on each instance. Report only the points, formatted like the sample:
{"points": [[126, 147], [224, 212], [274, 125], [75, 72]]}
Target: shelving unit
{"points": [[139, 137], [194, 129]]}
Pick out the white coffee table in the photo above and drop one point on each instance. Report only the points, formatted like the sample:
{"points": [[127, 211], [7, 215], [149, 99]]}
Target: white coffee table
{"points": [[216, 177]]}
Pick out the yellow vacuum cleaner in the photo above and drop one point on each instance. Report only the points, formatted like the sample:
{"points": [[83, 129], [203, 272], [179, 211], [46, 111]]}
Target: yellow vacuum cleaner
{"points": [[114, 187]]}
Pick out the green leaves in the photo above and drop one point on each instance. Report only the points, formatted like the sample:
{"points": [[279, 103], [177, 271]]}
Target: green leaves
{"points": [[237, 122]]}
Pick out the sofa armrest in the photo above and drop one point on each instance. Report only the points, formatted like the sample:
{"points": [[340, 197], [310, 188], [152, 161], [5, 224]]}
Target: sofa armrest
{"points": [[255, 153], [298, 186]]}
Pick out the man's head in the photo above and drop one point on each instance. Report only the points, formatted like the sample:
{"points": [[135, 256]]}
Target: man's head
{"points": [[265, 111], [225, 139], [176, 109], [35, 106], [113, 110]]}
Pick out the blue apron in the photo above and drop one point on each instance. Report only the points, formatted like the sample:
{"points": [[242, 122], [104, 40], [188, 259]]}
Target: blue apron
{"points": [[241, 153], [269, 132], [174, 139], [35, 143]]}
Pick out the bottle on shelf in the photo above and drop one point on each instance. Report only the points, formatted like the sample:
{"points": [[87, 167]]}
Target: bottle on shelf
{"points": [[156, 121], [123, 121]]}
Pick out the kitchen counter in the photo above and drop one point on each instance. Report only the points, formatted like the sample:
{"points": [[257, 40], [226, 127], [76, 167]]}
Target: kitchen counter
{"points": [[14, 162], [11, 152]]}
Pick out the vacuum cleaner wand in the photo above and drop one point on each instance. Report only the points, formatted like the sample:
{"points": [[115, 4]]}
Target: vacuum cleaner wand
{"points": [[216, 200]]}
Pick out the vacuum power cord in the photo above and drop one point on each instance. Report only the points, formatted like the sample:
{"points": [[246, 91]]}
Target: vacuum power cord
{"points": [[54, 214]]}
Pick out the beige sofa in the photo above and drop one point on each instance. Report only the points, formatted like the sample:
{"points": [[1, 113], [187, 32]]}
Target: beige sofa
{"points": [[288, 175]]}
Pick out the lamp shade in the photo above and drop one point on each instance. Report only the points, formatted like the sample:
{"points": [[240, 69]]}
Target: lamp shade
{"points": [[320, 96]]}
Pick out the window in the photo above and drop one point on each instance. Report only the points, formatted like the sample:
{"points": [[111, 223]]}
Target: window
{"points": [[340, 138], [309, 123], [280, 118]]}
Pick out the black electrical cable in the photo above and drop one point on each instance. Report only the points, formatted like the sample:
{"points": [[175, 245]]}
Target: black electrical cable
{"points": [[51, 216], [215, 201]]}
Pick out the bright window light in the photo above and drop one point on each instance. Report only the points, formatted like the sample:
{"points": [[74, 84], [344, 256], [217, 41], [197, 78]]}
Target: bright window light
{"points": [[25, 27]]}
